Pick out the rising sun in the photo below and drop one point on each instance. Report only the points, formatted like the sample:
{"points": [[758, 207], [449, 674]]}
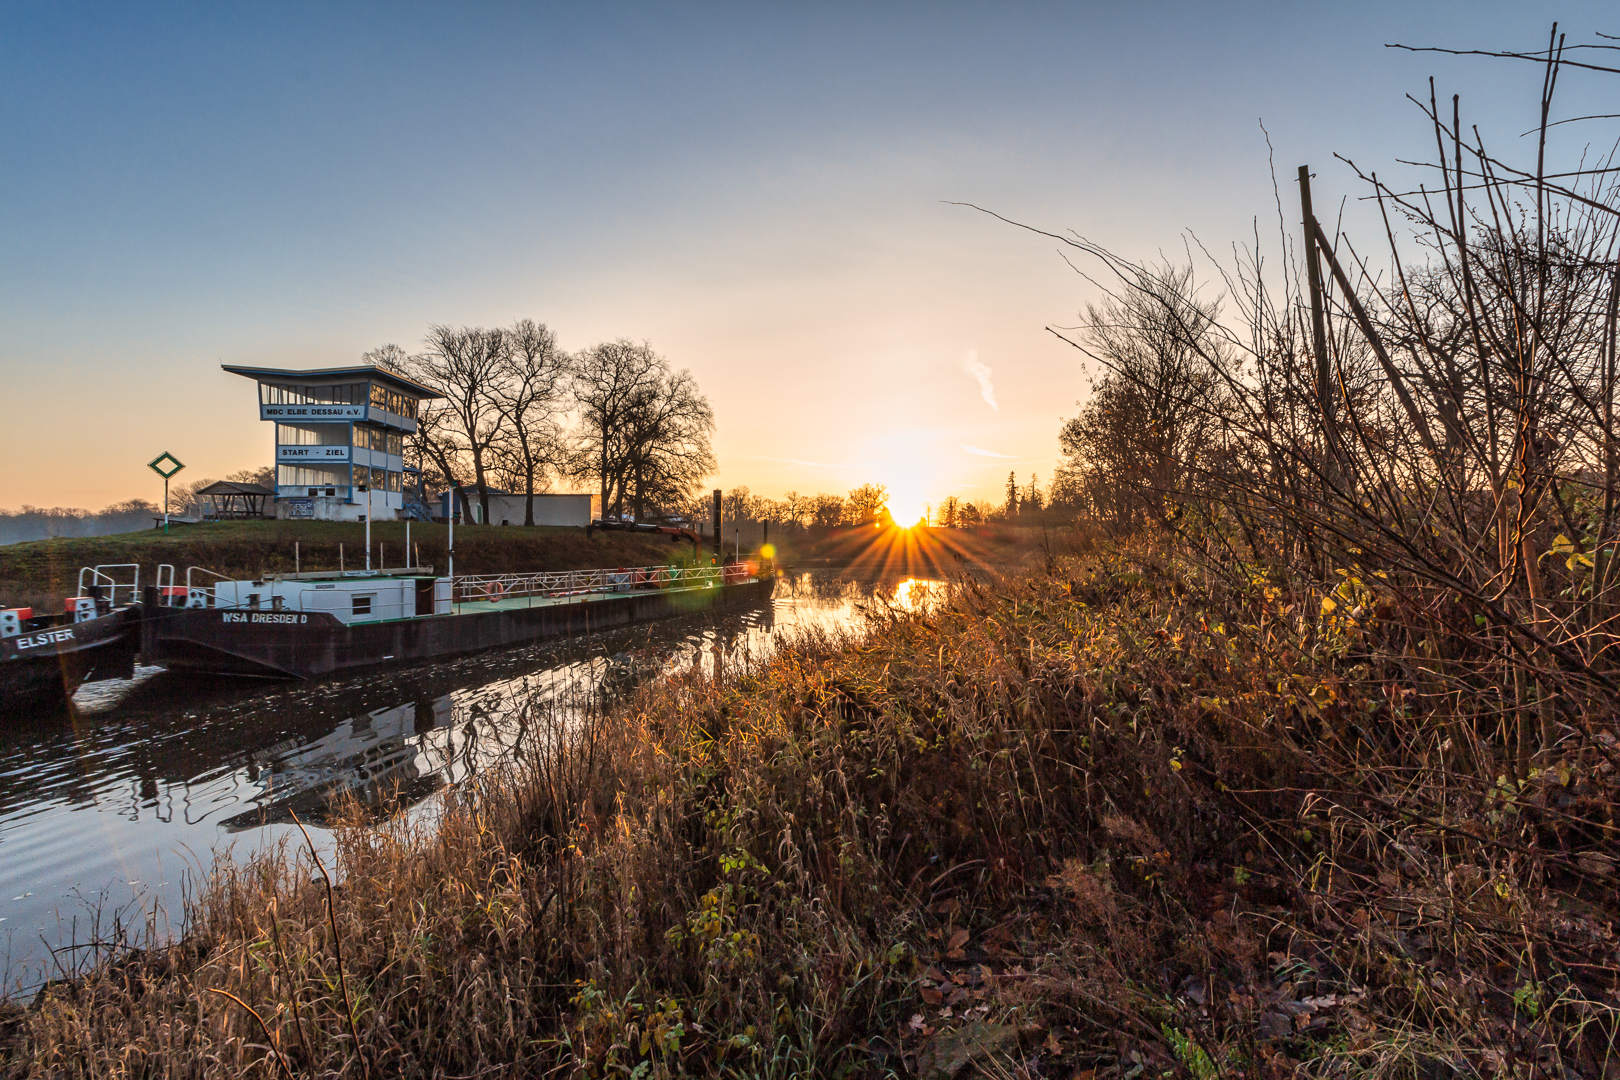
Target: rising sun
{"points": [[907, 510]]}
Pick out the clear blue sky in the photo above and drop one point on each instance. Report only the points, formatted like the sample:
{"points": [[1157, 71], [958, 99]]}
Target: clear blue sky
{"points": [[757, 189]]}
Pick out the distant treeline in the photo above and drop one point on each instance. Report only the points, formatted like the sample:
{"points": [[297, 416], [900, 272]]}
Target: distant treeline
{"points": [[41, 523]]}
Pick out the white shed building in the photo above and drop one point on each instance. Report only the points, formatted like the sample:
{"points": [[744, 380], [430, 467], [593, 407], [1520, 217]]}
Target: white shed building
{"points": [[506, 508]]}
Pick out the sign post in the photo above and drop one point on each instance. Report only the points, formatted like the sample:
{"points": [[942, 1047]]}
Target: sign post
{"points": [[165, 465]]}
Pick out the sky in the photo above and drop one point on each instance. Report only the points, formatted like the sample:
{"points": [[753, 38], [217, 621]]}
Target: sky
{"points": [[764, 192]]}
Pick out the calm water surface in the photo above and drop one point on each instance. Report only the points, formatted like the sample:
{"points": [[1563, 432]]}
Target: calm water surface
{"points": [[111, 810]]}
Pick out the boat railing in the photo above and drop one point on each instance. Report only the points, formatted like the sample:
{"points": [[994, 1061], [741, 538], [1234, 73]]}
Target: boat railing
{"points": [[471, 589], [210, 573], [98, 575], [475, 588]]}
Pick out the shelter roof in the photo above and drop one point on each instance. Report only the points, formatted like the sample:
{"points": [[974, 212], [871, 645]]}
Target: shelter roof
{"points": [[230, 487], [399, 382]]}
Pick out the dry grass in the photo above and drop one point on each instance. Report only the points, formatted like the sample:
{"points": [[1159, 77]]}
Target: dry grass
{"points": [[1152, 827]]}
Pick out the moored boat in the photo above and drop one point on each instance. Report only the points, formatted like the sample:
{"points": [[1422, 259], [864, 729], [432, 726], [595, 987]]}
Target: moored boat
{"points": [[312, 625], [44, 657]]}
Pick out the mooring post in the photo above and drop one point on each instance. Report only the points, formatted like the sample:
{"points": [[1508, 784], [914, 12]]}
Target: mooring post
{"points": [[716, 523], [149, 606]]}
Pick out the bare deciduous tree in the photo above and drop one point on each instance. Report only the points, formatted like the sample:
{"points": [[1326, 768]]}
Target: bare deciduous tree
{"points": [[793, 508], [264, 476], [530, 391], [439, 453], [643, 432], [826, 510], [667, 449], [466, 365], [1139, 440], [867, 504]]}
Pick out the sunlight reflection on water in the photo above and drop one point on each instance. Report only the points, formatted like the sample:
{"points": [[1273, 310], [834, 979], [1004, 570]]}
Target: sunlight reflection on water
{"points": [[914, 594]]}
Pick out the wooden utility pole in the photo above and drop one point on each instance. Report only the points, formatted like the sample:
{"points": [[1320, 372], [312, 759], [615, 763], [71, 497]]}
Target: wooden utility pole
{"points": [[1325, 400]]}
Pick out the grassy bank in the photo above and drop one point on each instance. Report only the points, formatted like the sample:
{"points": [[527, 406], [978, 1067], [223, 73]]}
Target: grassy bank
{"points": [[1106, 821], [41, 572]]}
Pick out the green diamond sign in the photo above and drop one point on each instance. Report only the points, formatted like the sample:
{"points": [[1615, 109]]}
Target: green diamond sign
{"points": [[165, 465]]}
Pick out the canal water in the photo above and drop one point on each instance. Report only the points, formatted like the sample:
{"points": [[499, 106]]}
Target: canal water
{"points": [[112, 810]]}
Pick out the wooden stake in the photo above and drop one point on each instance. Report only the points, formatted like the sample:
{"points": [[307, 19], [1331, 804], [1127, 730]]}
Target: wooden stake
{"points": [[1325, 399]]}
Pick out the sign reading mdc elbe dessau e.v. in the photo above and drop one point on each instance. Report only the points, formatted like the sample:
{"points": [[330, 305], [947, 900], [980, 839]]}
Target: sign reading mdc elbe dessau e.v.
{"points": [[312, 412]]}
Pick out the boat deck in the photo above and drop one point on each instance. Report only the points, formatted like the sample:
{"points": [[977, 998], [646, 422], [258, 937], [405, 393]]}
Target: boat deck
{"points": [[518, 603]]}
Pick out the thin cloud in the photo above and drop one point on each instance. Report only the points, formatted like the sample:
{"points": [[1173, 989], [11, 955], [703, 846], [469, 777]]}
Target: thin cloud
{"points": [[983, 452], [971, 365]]}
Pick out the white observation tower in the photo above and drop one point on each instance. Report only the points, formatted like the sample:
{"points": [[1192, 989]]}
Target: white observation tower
{"points": [[340, 439]]}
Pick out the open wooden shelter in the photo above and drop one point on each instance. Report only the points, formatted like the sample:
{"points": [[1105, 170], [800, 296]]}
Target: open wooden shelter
{"points": [[227, 499]]}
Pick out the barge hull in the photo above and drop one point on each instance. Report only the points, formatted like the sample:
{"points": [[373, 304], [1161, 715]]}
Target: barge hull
{"points": [[43, 666], [308, 645]]}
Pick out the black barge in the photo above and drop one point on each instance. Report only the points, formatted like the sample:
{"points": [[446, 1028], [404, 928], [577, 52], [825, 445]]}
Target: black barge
{"points": [[308, 626], [44, 658]]}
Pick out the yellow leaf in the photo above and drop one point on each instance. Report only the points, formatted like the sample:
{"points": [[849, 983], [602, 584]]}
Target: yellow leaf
{"points": [[1329, 605]]}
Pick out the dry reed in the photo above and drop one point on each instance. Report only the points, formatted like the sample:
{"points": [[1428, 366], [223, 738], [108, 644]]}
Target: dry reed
{"points": [[1135, 819]]}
